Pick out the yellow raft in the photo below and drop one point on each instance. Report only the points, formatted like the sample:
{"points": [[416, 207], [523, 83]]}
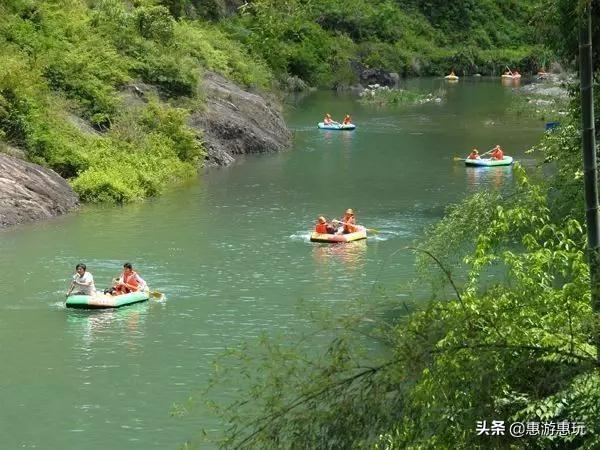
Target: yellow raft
{"points": [[337, 238]]}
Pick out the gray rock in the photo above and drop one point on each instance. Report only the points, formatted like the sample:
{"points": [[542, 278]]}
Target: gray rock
{"points": [[236, 122], [548, 88], [30, 192], [12, 151]]}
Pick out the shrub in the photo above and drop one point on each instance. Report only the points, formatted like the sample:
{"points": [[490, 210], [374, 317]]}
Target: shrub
{"points": [[155, 23]]}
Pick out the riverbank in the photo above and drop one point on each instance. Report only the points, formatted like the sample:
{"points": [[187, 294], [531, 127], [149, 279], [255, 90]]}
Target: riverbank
{"points": [[546, 98]]}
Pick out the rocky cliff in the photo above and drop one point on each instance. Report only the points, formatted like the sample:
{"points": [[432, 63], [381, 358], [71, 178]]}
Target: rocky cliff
{"points": [[236, 122], [30, 192]]}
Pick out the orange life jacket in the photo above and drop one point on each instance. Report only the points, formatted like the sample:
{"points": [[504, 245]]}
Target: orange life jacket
{"points": [[498, 154], [349, 222], [130, 280], [473, 155], [321, 228]]}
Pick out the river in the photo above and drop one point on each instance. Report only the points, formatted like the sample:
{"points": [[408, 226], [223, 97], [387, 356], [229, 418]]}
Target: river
{"points": [[232, 255]]}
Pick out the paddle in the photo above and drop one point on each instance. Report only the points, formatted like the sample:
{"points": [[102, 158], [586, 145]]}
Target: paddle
{"points": [[369, 230], [458, 158]]}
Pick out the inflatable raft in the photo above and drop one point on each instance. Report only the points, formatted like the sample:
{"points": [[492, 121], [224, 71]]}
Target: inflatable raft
{"points": [[488, 162], [106, 301], [451, 77], [511, 77], [337, 238], [348, 127]]}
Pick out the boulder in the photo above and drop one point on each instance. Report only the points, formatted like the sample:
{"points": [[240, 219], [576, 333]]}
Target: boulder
{"points": [[378, 76], [29, 192], [236, 122]]}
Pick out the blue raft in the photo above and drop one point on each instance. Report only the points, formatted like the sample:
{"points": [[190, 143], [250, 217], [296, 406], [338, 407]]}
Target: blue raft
{"points": [[106, 301], [338, 127]]}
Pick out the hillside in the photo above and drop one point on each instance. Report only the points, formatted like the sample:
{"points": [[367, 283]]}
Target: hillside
{"points": [[102, 92], [324, 42]]}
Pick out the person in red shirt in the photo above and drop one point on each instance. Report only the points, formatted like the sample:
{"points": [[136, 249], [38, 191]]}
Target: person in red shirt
{"points": [[347, 120], [474, 154], [129, 281], [323, 227], [497, 153]]}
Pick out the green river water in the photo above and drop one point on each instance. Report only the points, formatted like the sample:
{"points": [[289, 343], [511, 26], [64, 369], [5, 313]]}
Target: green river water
{"points": [[232, 255]]}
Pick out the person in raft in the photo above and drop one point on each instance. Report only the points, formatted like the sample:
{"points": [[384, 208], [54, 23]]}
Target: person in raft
{"points": [[348, 223], [474, 154], [347, 120], [83, 282], [497, 153], [128, 281], [323, 227], [329, 121]]}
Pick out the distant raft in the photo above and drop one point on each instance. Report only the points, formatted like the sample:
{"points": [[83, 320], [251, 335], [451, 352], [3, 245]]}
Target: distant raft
{"points": [[451, 77], [334, 126], [338, 238], [488, 162], [106, 301]]}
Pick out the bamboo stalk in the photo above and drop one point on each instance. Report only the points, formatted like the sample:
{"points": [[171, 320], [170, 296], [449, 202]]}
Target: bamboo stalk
{"points": [[590, 170]]}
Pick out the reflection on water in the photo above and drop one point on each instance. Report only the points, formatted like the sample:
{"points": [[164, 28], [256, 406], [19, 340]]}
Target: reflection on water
{"points": [[491, 177], [511, 82], [352, 255], [333, 136], [93, 325]]}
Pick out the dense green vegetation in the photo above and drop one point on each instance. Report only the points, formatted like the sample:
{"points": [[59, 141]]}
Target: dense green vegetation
{"points": [[321, 41], [64, 99], [507, 333], [67, 95]]}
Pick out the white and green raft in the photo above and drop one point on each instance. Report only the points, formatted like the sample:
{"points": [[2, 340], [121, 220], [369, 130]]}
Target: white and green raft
{"points": [[488, 162], [100, 300], [336, 126]]}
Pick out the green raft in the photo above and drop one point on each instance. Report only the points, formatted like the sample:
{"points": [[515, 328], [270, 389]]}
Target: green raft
{"points": [[488, 162], [106, 301]]}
